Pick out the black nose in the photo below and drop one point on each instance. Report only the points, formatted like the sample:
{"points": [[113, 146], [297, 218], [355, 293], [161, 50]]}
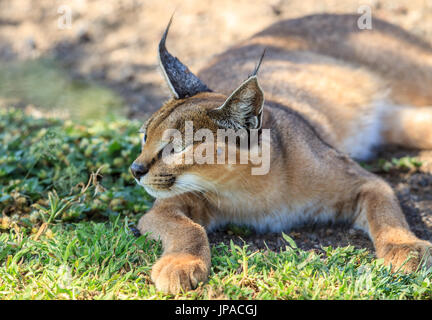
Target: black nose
{"points": [[138, 170]]}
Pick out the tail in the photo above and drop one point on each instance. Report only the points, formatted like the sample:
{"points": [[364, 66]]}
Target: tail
{"points": [[408, 126]]}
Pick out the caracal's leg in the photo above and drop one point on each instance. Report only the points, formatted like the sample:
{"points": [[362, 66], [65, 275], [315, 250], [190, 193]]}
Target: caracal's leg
{"points": [[186, 258], [377, 211]]}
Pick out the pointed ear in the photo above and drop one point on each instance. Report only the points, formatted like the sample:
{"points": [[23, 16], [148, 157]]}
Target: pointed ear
{"points": [[181, 81], [243, 109]]}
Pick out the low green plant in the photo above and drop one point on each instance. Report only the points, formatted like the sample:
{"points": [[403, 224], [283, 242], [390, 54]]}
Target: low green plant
{"points": [[64, 171]]}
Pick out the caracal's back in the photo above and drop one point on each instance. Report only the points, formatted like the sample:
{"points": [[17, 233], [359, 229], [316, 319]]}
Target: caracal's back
{"points": [[356, 87]]}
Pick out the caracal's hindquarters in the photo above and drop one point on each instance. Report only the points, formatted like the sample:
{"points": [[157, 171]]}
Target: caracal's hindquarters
{"points": [[408, 126]]}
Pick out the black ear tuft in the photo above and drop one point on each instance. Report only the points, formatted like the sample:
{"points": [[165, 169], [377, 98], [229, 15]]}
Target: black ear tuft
{"points": [[182, 82], [255, 72]]}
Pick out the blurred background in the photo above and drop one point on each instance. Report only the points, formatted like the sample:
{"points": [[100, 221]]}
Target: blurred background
{"points": [[89, 58]]}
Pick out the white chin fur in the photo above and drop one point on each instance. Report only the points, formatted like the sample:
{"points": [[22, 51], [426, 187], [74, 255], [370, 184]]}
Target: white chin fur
{"points": [[184, 183], [158, 194]]}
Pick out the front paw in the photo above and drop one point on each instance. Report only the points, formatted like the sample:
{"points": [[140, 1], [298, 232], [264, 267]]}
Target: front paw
{"points": [[408, 257], [180, 271]]}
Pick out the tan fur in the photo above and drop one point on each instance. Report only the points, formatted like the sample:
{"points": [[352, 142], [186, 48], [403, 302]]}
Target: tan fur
{"points": [[331, 92]]}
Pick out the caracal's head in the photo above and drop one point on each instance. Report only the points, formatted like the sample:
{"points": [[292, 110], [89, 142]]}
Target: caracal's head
{"points": [[182, 147]]}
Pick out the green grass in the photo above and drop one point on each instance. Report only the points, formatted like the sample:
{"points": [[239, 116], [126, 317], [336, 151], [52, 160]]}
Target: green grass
{"points": [[67, 201], [47, 164], [380, 165], [90, 260]]}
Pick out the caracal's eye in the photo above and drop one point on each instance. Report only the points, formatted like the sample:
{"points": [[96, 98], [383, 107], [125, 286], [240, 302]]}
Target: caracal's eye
{"points": [[143, 133], [143, 137]]}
